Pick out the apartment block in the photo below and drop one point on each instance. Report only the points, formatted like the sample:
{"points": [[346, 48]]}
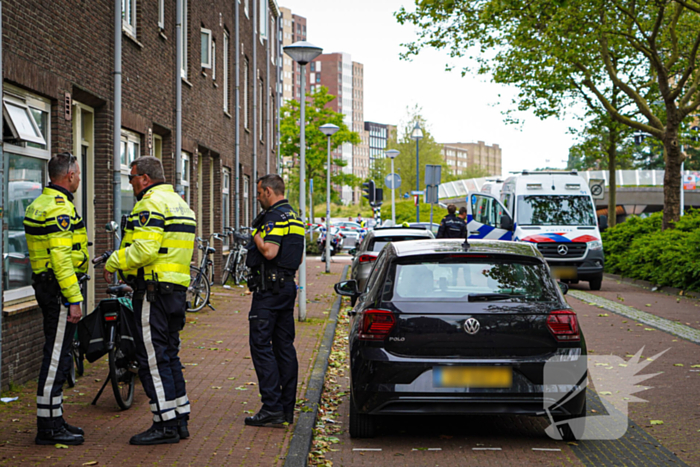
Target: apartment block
{"points": [[478, 155], [58, 60]]}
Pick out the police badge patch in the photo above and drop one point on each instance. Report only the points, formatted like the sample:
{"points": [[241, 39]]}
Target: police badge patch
{"points": [[63, 221], [60, 200], [268, 227], [143, 218]]}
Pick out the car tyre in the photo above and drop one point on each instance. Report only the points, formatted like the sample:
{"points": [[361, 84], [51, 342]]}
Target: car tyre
{"points": [[596, 284], [361, 425]]}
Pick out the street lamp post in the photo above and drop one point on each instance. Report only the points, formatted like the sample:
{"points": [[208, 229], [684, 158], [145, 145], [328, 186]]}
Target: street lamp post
{"points": [[302, 52], [391, 154], [329, 130], [417, 134]]}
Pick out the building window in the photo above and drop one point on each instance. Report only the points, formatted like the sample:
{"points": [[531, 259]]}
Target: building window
{"points": [[225, 54], [245, 93], [226, 201], [261, 99], [130, 151], [129, 16], [213, 60], [246, 8], [26, 136], [157, 148], [246, 201], [262, 18], [161, 14], [206, 47], [183, 31], [185, 176]]}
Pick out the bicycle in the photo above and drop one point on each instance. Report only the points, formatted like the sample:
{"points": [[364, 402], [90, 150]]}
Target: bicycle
{"points": [[235, 263], [199, 290], [77, 366]]}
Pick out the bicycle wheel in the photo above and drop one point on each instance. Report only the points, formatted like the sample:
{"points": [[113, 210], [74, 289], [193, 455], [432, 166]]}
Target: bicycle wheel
{"points": [[122, 379], [78, 358], [241, 269], [198, 291], [70, 377], [227, 269]]}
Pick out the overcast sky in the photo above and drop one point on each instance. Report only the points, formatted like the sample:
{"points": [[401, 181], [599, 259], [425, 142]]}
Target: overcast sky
{"points": [[457, 109]]}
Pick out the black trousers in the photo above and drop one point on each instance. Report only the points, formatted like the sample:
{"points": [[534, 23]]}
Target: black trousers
{"points": [[271, 320], [55, 364], [157, 337]]}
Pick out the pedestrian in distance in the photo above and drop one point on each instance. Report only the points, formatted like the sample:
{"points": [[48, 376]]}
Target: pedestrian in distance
{"points": [[451, 225], [57, 243], [154, 258], [274, 257], [463, 214]]}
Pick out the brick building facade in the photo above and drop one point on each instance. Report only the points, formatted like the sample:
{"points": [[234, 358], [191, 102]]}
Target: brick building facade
{"points": [[477, 154], [58, 60]]}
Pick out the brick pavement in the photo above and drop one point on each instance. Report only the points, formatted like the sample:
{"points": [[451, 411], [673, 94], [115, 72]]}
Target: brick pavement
{"points": [[222, 388]]}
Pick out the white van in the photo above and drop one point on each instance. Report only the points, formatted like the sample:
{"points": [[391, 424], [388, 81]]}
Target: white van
{"points": [[555, 210], [493, 187]]}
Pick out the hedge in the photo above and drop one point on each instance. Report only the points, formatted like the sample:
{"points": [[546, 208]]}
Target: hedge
{"points": [[639, 249]]}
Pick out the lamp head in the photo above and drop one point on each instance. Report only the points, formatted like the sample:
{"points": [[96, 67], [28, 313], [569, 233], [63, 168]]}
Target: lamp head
{"points": [[329, 129], [392, 153], [417, 133], [302, 52]]}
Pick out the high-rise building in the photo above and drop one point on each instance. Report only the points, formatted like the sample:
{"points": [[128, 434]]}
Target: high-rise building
{"points": [[478, 155], [456, 158], [378, 135], [293, 30]]}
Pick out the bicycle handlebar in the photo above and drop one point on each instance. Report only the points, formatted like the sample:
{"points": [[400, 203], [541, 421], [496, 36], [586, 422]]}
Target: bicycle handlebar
{"points": [[102, 258]]}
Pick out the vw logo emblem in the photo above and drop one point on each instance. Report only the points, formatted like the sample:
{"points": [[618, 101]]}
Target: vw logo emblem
{"points": [[471, 326], [563, 250]]}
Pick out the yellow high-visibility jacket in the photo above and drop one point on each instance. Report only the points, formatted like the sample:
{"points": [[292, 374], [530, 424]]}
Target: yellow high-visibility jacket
{"points": [[57, 239], [159, 238]]}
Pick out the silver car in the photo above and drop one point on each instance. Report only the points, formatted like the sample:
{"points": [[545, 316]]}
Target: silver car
{"points": [[351, 231], [366, 253]]}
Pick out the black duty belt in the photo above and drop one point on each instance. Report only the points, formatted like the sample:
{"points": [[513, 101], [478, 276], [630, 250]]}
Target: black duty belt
{"points": [[44, 277]]}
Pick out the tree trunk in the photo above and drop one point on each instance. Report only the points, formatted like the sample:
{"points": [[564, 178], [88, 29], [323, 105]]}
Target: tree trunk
{"points": [[612, 185], [672, 177]]}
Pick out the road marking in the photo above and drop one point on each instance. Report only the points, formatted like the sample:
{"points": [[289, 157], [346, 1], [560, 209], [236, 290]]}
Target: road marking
{"points": [[547, 449], [366, 449], [662, 324], [486, 449]]}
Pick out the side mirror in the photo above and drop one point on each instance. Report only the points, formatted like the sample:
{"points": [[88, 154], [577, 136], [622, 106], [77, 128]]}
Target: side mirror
{"points": [[506, 222], [347, 288], [112, 227], [603, 222], [353, 251], [564, 287]]}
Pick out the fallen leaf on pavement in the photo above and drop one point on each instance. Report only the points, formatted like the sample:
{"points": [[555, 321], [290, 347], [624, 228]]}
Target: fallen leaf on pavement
{"points": [[605, 393], [241, 388], [677, 364], [91, 463], [61, 446], [603, 315], [216, 387], [657, 422]]}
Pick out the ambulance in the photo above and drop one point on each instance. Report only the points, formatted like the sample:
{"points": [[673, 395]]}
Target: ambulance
{"points": [[553, 210]]}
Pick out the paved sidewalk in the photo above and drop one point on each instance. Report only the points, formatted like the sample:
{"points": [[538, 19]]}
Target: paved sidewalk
{"points": [[221, 384]]}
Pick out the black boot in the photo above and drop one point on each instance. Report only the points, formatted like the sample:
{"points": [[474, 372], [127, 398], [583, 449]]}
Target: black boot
{"points": [[182, 429], [156, 435], [289, 417], [264, 418], [58, 436], [76, 430]]}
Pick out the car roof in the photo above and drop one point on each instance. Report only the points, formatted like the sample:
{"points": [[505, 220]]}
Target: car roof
{"points": [[391, 232], [456, 245]]}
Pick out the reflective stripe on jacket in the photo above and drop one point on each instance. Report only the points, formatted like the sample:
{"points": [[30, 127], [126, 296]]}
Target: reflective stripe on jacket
{"points": [[159, 237], [57, 240]]}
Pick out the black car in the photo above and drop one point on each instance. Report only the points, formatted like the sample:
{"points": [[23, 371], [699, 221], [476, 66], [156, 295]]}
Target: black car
{"points": [[449, 328]]}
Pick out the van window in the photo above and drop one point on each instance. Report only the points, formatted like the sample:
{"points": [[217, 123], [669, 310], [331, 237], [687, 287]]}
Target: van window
{"points": [[556, 210], [486, 210]]}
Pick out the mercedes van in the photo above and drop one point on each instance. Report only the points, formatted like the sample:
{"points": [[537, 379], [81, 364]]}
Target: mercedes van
{"points": [[553, 210]]}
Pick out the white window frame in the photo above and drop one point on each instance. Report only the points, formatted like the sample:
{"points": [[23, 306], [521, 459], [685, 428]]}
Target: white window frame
{"points": [[161, 14], [262, 19], [261, 102], [18, 116], [43, 105], [129, 25], [246, 201], [130, 139], [226, 206], [246, 8], [225, 71], [205, 35], [157, 147], [185, 175], [246, 72], [213, 60], [183, 31]]}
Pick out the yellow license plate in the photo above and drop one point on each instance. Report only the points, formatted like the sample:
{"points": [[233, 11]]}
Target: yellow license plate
{"points": [[473, 377], [564, 272]]}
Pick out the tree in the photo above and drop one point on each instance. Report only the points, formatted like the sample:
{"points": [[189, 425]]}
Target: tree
{"points": [[554, 50], [317, 113]]}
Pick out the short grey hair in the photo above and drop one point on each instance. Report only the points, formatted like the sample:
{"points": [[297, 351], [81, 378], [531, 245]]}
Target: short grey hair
{"points": [[61, 164], [272, 181], [151, 166]]}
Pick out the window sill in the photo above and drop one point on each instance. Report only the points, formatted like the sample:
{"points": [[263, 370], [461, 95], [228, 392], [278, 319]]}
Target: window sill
{"points": [[184, 80], [215, 85], [19, 308], [162, 34], [133, 39], [227, 114]]}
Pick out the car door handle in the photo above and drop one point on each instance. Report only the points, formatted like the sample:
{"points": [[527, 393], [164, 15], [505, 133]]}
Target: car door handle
{"points": [[473, 232]]}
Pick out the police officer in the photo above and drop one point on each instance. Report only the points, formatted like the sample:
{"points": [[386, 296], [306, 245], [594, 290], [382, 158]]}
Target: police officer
{"points": [[274, 258], [451, 225], [155, 257], [57, 243], [463, 214]]}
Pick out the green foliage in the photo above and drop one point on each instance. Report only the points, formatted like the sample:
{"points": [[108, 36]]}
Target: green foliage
{"points": [[406, 212], [317, 113], [639, 249]]}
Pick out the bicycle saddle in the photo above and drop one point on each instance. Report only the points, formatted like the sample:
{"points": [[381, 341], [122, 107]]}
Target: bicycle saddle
{"points": [[119, 290], [211, 250], [241, 237]]}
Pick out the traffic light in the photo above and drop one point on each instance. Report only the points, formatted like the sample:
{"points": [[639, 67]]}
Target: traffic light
{"points": [[369, 191], [378, 196]]}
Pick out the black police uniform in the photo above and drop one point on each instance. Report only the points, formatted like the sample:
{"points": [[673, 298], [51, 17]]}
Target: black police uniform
{"points": [[452, 227], [271, 316]]}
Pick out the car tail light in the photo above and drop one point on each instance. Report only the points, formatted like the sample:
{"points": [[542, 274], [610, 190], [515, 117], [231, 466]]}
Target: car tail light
{"points": [[376, 324], [367, 258], [564, 326]]}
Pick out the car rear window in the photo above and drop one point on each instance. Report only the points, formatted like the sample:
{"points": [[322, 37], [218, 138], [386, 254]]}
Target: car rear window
{"points": [[472, 280], [379, 242]]}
